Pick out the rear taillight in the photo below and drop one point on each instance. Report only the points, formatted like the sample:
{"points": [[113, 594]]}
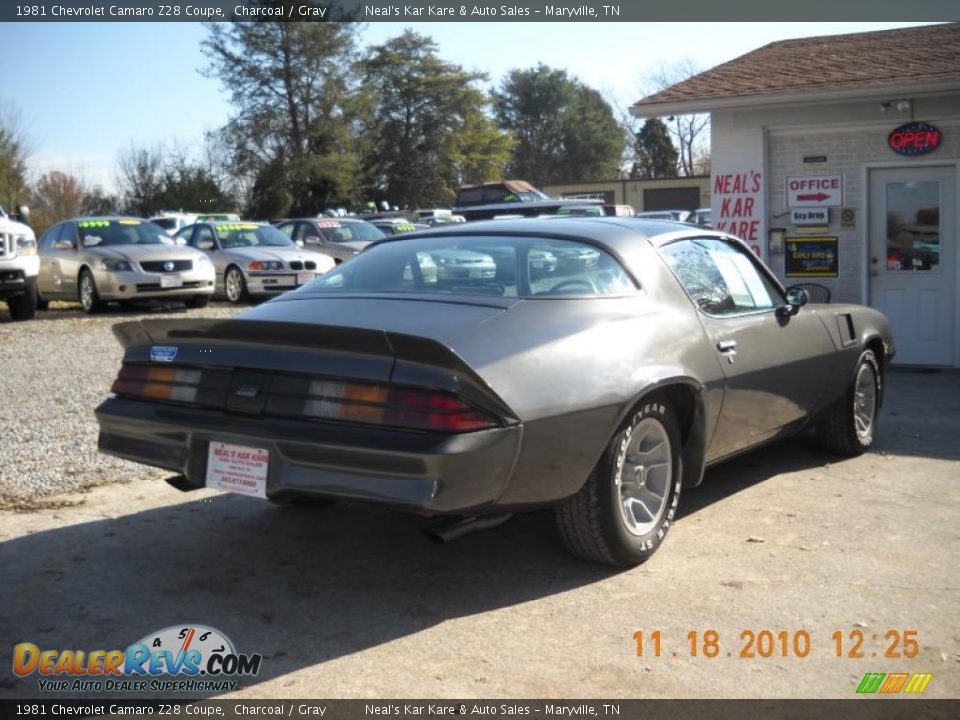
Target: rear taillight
{"points": [[157, 383], [291, 396], [396, 407]]}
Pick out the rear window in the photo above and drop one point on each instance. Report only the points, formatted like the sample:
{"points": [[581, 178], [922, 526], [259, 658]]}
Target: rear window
{"points": [[481, 265], [474, 196]]}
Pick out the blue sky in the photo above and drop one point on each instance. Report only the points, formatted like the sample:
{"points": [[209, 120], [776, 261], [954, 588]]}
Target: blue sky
{"points": [[87, 90]]}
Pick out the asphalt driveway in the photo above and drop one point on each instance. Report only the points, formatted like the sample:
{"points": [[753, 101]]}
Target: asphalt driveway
{"points": [[348, 601]]}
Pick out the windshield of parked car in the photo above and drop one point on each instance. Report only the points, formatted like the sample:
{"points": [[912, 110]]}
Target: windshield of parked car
{"points": [[167, 223], [345, 232], [239, 235], [511, 266], [100, 233]]}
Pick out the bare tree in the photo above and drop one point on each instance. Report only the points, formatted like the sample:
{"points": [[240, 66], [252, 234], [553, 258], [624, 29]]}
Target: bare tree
{"points": [[691, 132], [15, 148], [56, 196], [140, 178]]}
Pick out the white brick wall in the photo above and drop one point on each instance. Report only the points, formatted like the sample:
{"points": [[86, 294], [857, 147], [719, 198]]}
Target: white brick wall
{"points": [[851, 135]]}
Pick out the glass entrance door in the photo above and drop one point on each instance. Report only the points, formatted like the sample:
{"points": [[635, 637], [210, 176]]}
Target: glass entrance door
{"points": [[913, 274]]}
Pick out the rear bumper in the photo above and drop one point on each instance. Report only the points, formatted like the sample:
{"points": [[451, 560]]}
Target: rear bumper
{"points": [[422, 472]]}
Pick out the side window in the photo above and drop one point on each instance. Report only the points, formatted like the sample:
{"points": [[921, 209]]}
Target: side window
{"points": [[305, 230], [50, 237], [184, 234], [287, 229], [700, 276], [67, 232], [202, 233], [720, 278]]}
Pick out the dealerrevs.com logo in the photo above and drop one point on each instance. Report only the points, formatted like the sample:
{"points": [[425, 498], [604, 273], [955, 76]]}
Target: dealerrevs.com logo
{"points": [[185, 658]]}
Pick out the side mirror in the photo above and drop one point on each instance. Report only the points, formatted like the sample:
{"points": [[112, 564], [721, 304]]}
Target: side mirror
{"points": [[180, 241], [311, 240], [205, 245], [63, 245], [797, 296], [299, 243]]}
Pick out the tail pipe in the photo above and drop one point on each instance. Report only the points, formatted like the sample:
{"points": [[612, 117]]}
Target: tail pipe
{"points": [[452, 529]]}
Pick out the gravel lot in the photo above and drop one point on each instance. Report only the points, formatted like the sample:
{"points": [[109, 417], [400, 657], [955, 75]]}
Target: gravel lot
{"points": [[55, 370]]}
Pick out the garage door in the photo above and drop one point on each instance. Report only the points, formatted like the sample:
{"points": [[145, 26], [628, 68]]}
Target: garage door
{"points": [[682, 198]]}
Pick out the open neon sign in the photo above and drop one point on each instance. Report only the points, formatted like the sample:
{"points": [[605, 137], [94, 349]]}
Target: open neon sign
{"points": [[914, 138]]}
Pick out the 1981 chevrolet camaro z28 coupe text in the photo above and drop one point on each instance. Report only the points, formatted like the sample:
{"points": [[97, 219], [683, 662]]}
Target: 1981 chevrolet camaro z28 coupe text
{"points": [[601, 388]]}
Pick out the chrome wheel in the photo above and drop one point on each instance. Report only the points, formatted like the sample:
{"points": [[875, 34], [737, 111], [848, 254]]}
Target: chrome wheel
{"points": [[87, 292], [233, 285], [644, 476], [865, 402]]}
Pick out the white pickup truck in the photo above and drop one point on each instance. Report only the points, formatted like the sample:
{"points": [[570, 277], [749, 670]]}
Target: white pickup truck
{"points": [[19, 267]]}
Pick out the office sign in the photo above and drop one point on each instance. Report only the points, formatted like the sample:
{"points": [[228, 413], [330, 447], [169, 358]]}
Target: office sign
{"points": [[814, 191]]}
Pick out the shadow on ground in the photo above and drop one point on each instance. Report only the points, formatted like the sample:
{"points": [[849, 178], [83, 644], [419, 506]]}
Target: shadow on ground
{"points": [[300, 586], [303, 587]]}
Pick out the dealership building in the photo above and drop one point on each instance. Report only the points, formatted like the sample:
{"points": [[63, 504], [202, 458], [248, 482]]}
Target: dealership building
{"points": [[836, 159]]}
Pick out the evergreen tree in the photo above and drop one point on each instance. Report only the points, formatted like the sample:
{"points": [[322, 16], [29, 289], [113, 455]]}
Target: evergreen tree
{"points": [[655, 155], [293, 89], [565, 131], [428, 129]]}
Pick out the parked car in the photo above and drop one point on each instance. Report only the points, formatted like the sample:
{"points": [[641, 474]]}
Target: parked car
{"points": [[581, 211], [602, 391], [456, 265], [254, 259], [19, 266], [702, 217], [671, 215], [443, 220], [173, 221], [490, 199], [541, 262], [97, 260], [340, 238], [218, 217], [396, 226]]}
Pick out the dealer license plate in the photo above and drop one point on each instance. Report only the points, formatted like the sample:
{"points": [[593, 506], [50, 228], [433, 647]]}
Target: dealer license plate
{"points": [[237, 468], [171, 281]]}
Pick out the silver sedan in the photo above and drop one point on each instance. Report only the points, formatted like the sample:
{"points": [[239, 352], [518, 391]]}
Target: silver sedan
{"points": [[100, 259], [254, 258]]}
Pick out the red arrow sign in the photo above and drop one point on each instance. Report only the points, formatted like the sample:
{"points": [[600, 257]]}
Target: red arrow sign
{"points": [[819, 197]]}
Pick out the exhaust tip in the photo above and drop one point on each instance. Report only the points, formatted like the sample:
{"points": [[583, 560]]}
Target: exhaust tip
{"points": [[450, 529]]}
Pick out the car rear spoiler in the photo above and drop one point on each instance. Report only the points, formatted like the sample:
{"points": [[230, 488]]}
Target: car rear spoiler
{"points": [[311, 349]]}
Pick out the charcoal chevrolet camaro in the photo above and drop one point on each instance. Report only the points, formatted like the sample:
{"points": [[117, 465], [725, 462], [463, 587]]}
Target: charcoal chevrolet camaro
{"points": [[602, 388]]}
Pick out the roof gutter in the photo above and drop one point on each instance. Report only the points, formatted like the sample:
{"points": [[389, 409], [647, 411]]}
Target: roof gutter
{"points": [[885, 91]]}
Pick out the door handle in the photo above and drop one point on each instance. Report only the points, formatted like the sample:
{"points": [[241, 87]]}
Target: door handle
{"points": [[727, 346]]}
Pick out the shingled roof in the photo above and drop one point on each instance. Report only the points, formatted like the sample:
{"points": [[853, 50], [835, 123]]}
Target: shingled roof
{"points": [[835, 62]]}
